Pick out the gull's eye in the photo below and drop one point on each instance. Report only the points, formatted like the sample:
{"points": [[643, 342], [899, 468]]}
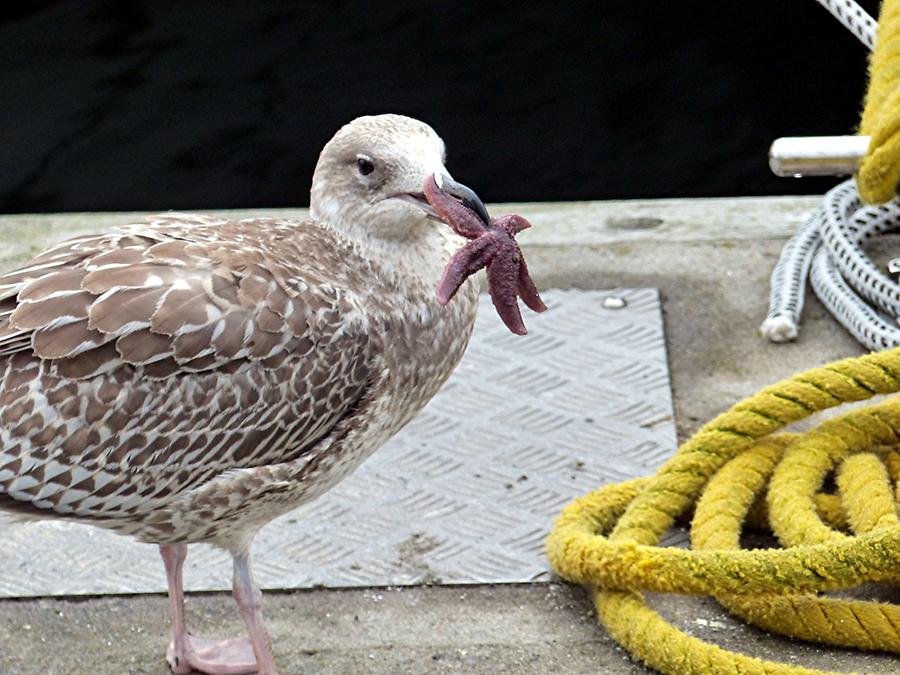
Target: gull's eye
{"points": [[365, 165]]}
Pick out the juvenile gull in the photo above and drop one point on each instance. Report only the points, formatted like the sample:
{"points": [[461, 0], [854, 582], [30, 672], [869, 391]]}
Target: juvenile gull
{"points": [[190, 379]]}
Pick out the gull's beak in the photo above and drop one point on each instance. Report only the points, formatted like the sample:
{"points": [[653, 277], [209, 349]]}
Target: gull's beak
{"points": [[465, 195]]}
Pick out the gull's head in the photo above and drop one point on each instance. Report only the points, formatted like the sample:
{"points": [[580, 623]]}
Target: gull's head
{"points": [[369, 179]]}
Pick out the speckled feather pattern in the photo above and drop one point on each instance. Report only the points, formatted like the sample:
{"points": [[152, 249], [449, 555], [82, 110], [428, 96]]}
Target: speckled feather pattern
{"points": [[191, 378]]}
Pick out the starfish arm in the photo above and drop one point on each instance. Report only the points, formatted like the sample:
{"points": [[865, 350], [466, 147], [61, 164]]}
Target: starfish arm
{"points": [[527, 290], [464, 263], [513, 223], [463, 221], [502, 276]]}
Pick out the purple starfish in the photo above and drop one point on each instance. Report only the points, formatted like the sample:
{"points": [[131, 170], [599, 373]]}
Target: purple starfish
{"points": [[493, 246]]}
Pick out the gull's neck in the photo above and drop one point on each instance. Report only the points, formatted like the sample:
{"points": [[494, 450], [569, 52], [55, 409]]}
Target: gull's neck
{"points": [[419, 259]]}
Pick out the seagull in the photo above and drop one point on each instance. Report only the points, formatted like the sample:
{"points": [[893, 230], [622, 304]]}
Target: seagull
{"points": [[190, 378]]}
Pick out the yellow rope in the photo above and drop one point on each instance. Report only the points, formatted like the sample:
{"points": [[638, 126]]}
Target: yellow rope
{"points": [[608, 539], [741, 470], [879, 173]]}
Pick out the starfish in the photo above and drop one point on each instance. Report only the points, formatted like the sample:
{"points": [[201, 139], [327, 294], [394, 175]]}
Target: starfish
{"points": [[493, 245]]}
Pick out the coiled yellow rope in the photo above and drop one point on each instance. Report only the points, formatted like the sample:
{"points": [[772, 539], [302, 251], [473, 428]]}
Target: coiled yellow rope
{"points": [[607, 539], [879, 173]]}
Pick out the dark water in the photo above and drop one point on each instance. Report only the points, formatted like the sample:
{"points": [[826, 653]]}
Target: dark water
{"points": [[155, 105]]}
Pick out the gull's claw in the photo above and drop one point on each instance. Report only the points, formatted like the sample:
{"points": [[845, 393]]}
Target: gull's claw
{"points": [[493, 246]]}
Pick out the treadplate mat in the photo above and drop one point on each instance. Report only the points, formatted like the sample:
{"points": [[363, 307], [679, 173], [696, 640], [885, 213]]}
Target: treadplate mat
{"points": [[466, 493]]}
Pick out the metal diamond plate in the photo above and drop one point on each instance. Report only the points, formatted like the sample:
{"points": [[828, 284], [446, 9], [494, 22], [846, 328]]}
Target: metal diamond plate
{"points": [[466, 493]]}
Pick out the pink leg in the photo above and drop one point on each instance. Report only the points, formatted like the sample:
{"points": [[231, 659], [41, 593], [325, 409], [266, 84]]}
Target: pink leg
{"points": [[187, 653], [249, 601]]}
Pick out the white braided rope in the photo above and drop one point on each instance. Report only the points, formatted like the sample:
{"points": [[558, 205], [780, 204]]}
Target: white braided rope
{"points": [[847, 224], [854, 18], [788, 283], [860, 319], [829, 250]]}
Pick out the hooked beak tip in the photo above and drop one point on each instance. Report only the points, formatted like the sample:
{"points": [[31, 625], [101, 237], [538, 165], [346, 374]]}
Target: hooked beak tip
{"points": [[465, 195]]}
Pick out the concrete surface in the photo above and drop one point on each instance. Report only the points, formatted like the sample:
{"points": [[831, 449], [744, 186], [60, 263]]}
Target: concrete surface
{"points": [[711, 260]]}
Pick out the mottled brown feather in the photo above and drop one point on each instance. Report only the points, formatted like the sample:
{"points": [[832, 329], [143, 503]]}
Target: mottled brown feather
{"points": [[138, 275], [224, 289], [233, 336], [66, 340], [49, 284], [253, 289], [263, 344], [277, 300], [196, 343], [13, 345], [88, 364], [173, 252], [143, 346], [39, 313], [111, 313], [122, 258], [296, 318], [269, 321], [182, 308]]}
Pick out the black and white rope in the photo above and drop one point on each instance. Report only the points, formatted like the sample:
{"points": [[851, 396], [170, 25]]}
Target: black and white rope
{"points": [[829, 250], [854, 18]]}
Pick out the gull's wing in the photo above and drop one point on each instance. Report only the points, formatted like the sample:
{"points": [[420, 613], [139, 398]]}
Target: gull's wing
{"points": [[173, 299], [138, 365]]}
